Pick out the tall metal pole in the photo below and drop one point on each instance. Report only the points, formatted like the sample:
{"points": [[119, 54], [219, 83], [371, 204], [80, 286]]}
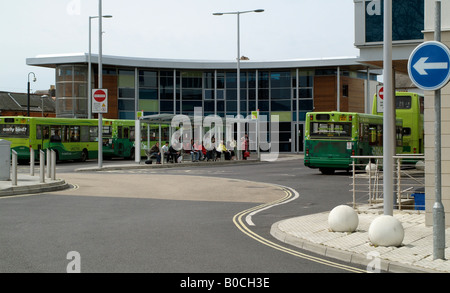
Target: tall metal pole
{"points": [[89, 74], [28, 97], [438, 208], [100, 84], [238, 13], [238, 155], [28, 92], [388, 117]]}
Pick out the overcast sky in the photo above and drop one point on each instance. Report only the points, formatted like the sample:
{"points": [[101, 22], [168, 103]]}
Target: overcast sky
{"points": [[173, 29]]}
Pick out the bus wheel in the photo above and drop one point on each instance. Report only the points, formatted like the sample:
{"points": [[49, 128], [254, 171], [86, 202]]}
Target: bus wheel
{"points": [[327, 171], [84, 155]]}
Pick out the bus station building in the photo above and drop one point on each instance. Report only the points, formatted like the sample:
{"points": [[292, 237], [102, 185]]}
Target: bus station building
{"points": [[288, 88]]}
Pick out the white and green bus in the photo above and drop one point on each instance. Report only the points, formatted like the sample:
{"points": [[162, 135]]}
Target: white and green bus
{"points": [[71, 139]]}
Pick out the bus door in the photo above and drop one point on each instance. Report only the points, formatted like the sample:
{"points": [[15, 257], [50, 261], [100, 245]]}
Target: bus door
{"points": [[42, 137], [126, 139], [120, 147]]}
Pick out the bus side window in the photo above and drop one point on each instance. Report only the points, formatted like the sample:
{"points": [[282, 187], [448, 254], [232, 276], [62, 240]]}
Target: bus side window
{"points": [[45, 132], [132, 132], [399, 136], [84, 134], [55, 134], [74, 133], [119, 132], [65, 134], [125, 132], [372, 135], [93, 133], [38, 132]]}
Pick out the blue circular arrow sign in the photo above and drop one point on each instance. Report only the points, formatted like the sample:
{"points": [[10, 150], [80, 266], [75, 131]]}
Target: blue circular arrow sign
{"points": [[429, 65]]}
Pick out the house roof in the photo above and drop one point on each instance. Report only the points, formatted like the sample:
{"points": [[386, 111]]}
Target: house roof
{"points": [[19, 101]]}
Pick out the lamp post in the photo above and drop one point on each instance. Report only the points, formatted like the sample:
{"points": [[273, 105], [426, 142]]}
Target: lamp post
{"points": [[42, 103], [100, 82], [90, 68], [28, 92], [238, 13], [389, 113]]}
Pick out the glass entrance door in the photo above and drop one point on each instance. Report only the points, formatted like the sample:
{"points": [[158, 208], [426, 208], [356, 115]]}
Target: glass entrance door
{"points": [[300, 137]]}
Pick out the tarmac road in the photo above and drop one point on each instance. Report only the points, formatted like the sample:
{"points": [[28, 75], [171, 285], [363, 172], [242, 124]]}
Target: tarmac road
{"points": [[142, 221]]}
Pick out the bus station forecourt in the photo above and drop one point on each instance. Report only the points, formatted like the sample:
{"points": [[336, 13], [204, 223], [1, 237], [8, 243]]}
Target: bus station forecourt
{"points": [[310, 232]]}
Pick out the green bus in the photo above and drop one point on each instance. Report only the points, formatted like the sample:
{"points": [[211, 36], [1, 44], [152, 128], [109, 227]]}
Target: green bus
{"points": [[122, 140], [409, 107], [72, 139], [331, 138]]}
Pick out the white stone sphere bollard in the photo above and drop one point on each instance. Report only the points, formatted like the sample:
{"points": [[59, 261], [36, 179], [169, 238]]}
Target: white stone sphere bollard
{"points": [[343, 219], [372, 167], [386, 231], [420, 165]]}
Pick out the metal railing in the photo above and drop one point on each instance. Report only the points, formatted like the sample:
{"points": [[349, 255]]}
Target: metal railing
{"points": [[367, 180]]}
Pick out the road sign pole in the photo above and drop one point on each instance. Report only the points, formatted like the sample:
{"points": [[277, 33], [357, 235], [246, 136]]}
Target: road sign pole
{"points": [[438, 208], [388, 116], [100, 84]]}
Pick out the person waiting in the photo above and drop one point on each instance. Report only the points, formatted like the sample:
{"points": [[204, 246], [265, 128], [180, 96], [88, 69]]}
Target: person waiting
{"points": [[195, 153], [155, 153], [173, 155], [165, 151]]}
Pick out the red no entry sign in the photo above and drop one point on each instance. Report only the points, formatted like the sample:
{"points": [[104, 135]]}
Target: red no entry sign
{"points": [[99, 96], [100, 101], [381, 93]]}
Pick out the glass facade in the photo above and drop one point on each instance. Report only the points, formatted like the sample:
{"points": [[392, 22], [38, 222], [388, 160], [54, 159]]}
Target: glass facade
{"points": [[71, 90], [287, 93], [126, 94]]}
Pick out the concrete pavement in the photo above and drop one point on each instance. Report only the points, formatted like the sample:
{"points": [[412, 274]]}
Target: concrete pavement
{"points": [[308, 232], [27, 184], [414, 255]]}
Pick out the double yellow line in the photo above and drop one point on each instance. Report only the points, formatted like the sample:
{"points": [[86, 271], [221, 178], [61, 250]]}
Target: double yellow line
{"points": [[239, 221]]}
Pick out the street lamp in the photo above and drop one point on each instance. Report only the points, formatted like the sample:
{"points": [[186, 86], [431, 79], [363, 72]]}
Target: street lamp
{"points": [[90, 67], [28, 92], [42, 103], [238, 13]]}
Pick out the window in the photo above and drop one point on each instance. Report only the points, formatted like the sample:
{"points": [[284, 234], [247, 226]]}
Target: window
{"points": [[93, 133], [331, 130], [403, 102], [42, 132], [55, 134], [126, 79], [74, 133], [148, 79], [345, 90], [375, 134], [84, 133], [280, 79]]}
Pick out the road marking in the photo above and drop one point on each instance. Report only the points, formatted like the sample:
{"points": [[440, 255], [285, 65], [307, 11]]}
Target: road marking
{"points": [[284, 200], [290, 195]]}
